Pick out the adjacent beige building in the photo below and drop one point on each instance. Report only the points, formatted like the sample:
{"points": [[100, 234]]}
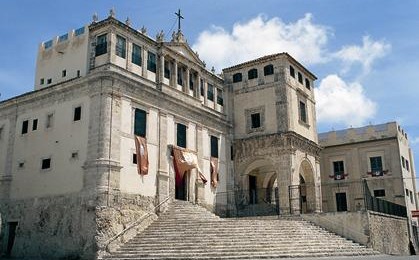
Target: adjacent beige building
{"points": [[375, 159]]}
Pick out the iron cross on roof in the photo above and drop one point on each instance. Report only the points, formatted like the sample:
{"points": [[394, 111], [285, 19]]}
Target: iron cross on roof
{"points": [[179, 16]]}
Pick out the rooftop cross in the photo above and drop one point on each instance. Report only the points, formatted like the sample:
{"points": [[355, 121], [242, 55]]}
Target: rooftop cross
{"points": [[179, 16]]}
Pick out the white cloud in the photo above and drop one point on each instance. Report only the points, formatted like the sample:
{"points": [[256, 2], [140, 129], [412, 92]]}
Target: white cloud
{"points": [[415, 141], [364, 55], [339, 102], [304, 40]]}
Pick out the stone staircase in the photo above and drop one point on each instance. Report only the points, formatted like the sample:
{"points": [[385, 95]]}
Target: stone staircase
{"points": [[187, 231]]}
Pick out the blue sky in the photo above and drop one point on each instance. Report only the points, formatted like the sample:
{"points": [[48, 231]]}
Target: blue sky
{"points": [[364, 52]]}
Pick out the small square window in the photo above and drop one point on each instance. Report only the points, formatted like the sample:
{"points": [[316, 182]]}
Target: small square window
{"points": [[49, 81], [78, 73], [64, 73], [21, 165], [255, 118], [42, 81], [379, 193], [46, 163], [134, 158], [25, 126], [34, 124], [77, 114], [74, 155]]}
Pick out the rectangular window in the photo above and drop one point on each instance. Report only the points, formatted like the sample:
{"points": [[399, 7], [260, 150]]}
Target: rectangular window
{"points": [[79, 31], [78, 73], [231, 153], [307, 84], [140, 122], [411, 196], [379, 193], [376, 166], [202, 90], [101, 45], [237, 77], [63, 37], [268, 70], [63, 73], [303, 112], [77, 114], [210, 92], [151, 62], [48, 44], [49, 120], [292, 71], [338, 170], [255, 118], [341, 203], [214, 146], [407, 165], [25, 126], [49, 81], [34, 124], [220, 100], [181, 135], [167, 69], [300, 78], [120, 48], [46, 163], [136, 54], [252, 74], [191, 81], [42, 81], [180, 76], [403, 162]]}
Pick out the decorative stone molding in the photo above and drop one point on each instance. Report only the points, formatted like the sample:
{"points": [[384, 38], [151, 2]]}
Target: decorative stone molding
{"points": [[248, 115]]}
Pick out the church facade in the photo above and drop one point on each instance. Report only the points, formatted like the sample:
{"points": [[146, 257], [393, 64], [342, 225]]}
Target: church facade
{"points": [[71, 175]]}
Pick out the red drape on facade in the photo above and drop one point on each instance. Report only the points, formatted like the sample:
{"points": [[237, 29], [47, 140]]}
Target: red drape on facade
{"points": [[184, 160], [142, 155]]}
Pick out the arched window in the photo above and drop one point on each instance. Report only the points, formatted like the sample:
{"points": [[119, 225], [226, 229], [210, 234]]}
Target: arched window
{"points": [[252, 74], [268, 70], [237, 77]]}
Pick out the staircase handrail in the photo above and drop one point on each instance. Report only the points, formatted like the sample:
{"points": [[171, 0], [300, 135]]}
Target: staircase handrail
{"points": [[133, 224]]}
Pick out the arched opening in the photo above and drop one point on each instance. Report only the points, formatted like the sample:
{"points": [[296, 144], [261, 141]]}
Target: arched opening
{"points": [[259, 195], [307, 188]]}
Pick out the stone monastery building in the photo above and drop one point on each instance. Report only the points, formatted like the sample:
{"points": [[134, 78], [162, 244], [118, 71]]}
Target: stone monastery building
{"points": [[69, 164]]}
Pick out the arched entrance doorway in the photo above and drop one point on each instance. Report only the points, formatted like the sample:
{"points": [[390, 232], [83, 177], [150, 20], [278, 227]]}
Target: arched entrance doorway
{"points": [[259, 189], [307, 194]]}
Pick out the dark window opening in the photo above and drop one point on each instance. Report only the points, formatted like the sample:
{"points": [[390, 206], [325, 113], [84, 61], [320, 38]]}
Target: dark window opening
{"points": [[300, 78], [167, 71], [214, 147], [220, 100], [64, 73], [78, 73], [77, 114], [231, 153], [255, 118], [202, 90], [307, 83], [303, 112], [34, 124], [268, 70], [140, 122], [49, 81], [292, 71], [210, 92], [101, 45], [379, 193], [25, 126], [252, 74], [341, 203], [42, 81], [237, 77], [46, 164], [191, 81], [181, 135], [376, 166], [50, 117], [136, 54], [11, 237], [338, 170], [180, 76], [407, 165], [151, 62]]}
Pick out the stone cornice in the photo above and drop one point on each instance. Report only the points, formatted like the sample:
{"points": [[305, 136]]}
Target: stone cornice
{"points": [[273, 145]]}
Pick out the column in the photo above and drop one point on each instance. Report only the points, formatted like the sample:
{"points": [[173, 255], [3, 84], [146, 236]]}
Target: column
{"points": [[163, 182], [186, 85], [161, 73], [174, 74], [144, 61], [215, 97]]}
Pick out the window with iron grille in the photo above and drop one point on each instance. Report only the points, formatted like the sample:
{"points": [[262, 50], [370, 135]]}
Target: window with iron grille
{"points": [[268, 70], [252, 74], [101, 45], [237, 77]]}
